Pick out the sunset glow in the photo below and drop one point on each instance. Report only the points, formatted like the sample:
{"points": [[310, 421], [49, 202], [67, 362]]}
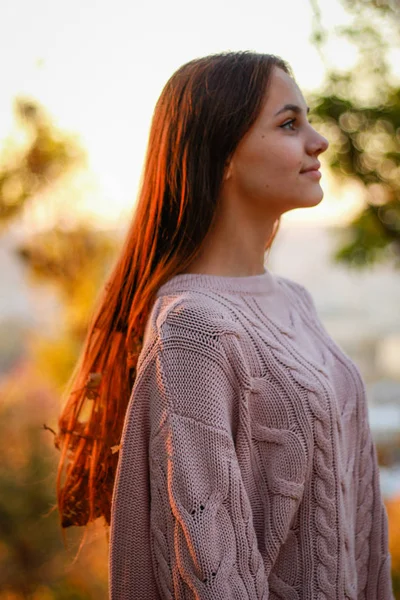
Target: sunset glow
{"points": [[97, 69]]}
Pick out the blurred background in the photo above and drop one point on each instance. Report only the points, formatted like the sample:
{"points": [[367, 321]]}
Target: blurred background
{"points": [[78, 83]]}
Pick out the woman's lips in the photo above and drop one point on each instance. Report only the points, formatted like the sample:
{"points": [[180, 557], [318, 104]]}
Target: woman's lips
{"points": [[313, 173]]}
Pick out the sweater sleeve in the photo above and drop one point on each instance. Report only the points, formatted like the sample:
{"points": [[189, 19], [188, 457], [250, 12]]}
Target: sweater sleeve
{"points": [[203, 540], [201, 536]]}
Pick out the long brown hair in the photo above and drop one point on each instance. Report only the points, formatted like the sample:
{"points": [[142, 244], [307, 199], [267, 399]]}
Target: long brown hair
{"points": [[204, 110]]}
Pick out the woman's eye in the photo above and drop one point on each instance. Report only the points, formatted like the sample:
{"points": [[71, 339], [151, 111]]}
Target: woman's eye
{"points": [[289, 125]]}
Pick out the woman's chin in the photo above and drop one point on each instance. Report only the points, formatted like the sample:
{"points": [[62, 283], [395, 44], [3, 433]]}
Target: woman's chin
{"points": [[315, 198]]}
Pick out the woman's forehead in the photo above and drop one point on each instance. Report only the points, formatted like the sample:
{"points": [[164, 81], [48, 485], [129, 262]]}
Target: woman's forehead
{"points": [[282, 91]]}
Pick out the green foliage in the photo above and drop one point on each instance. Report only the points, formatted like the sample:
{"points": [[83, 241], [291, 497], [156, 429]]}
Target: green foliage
{"points": [[75, 261], [390, 8], [359, 112], [373, 237], [48, 155]]}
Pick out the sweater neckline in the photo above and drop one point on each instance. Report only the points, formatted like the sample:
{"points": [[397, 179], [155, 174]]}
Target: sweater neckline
{"points": [[266, 285], [262, 283]]}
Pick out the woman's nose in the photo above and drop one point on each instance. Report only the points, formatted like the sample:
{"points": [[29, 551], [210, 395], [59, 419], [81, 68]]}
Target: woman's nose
{"points": [[319, 143]]}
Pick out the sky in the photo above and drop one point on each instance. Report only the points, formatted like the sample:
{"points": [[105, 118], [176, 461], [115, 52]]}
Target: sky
{"points": [[97, 68]]}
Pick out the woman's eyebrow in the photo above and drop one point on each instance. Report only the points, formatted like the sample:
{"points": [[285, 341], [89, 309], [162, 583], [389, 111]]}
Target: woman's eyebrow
{"points": [[293, 107]]}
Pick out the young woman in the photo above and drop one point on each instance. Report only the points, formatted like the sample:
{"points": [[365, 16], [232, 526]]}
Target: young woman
{"points": [[246, 467]]}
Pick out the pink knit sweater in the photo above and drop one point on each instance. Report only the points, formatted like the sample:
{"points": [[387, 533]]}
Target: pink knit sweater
{"points": [[247, 468]]}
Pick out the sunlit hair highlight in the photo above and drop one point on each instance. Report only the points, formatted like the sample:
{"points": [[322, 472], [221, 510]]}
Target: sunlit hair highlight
{"points": [[204, 110]]}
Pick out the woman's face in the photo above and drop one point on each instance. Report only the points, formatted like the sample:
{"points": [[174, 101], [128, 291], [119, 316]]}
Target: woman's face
{"points": [[269, 169]]}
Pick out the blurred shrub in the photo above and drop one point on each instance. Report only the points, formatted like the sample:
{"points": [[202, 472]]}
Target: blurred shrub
{"points": [[47, 155], [33, 560]]}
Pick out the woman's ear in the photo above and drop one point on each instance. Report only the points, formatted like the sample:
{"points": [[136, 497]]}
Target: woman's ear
{"points": [[228, 169]]}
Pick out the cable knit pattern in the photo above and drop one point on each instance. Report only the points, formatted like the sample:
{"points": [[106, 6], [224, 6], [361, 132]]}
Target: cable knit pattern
{"points": [[247, 469]]}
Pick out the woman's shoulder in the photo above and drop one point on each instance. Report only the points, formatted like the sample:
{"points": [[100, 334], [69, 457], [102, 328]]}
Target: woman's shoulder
{"points": [[192, 312], [193, 328], [298, 291], [292, 284]]}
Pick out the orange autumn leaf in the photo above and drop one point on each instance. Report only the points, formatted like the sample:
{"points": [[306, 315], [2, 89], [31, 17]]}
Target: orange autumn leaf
{"points": [[393, 511]]}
